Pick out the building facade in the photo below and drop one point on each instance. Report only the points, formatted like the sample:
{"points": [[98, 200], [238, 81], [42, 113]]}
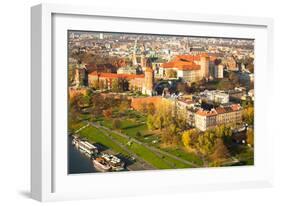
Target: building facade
{"points": [[136, 82], [218, 73], [188, 67], [229, 115], [217, 96]]}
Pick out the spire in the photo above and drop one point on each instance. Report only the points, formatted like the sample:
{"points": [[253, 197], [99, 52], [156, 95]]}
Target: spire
{"points": [[134, 57]]}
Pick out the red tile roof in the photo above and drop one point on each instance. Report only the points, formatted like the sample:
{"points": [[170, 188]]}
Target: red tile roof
{"points": [[186, 62], [219, 110], [181, 65], [202, 112], [235, 107], [115, 75], [188, 57]]}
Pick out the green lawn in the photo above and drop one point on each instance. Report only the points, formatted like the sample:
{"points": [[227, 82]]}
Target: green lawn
{"points": [[131, 124], [74, 126], [96, 136], [149, 156], [184, 155], [247, 156], [158, 160]]}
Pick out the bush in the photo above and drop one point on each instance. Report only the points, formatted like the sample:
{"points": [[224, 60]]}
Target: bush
{"points": [[138, 134]]}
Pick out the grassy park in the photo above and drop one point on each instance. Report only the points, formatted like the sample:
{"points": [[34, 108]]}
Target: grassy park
{"points": [[119, 129], [140, 147]]}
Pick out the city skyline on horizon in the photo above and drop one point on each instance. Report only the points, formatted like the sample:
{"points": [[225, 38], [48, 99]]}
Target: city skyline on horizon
{"points": [[145, 35]]}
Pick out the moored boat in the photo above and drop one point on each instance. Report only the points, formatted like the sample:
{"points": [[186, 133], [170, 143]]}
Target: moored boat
{"points": [[101, 164], [108, 160]]}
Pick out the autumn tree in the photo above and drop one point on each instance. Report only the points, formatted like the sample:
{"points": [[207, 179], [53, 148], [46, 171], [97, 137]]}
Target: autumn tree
{"points": [[124, 105], [116, 124], [115, 85], [84, 101], [225, 85], [219, 131], [143, 107], [169, 135], [250, 136], [159, 122], [97, 104], [150, 122], [171, 73], [101, 84], [223, 131], [220, 151], [151, 108], [248, 115], [188, 138], [81, 56], [107, 113], [95, 84], [205, 143]]}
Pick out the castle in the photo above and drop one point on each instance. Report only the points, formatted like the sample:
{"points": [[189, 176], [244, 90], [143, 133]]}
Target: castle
{"points": [[143, 83], [188, 67]]}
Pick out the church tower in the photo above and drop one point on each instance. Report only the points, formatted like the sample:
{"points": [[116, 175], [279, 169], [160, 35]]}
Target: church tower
{"points": [[204, 64], [77, 78], [134, 55], [148, 79], [80, 76]]}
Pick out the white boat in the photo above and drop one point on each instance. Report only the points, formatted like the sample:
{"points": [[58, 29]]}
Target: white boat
{"points": [[101, 164]]}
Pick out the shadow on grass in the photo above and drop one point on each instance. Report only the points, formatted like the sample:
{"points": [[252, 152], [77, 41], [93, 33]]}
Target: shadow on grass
{"points": [[101, 147], [128, 161], [132, 126]]}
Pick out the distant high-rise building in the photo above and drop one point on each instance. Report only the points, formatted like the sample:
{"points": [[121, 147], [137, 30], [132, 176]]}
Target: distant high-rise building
{"points": [[101, 36], [219, 71]]}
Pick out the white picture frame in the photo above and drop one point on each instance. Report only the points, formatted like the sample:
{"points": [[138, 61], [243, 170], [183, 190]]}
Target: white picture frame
{"points": [[49, 179]]}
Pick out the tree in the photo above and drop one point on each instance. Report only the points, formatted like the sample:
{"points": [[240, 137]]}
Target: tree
{"points": [[169, 135], [107, 113], [115, 85], [124, 105], [181, 87], [84, 101], [81, 56], [248, 115], [150, 122], [138, 134], [171, 73], [233, 77], [116, 124], [159, 122], [143, 107], [250, 136], [204, 145], [225, 85], [219, 131], [95, 84], [220, 151], [97, 104], [187, 139], [151, 108], [101, 84]]}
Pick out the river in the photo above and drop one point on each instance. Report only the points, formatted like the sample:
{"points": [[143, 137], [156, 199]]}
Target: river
{"points": [[77, 161]]}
